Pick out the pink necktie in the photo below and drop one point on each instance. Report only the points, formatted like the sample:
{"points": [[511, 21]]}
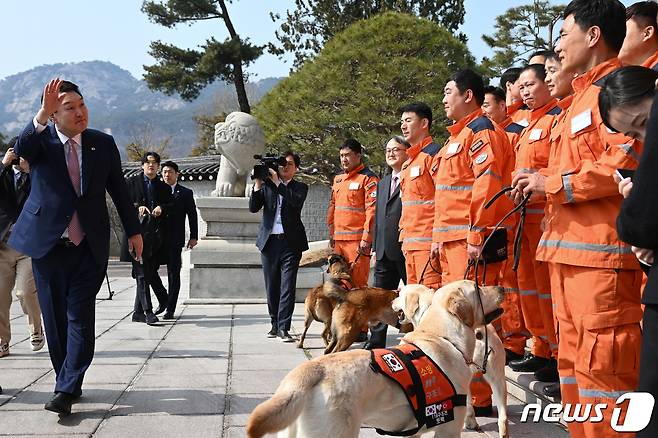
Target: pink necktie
{"points": [[394, 185], [75, 229]]}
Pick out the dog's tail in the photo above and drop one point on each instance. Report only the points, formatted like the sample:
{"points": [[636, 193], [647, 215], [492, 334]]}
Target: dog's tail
{"points": [[287, 403], [333, 288]]}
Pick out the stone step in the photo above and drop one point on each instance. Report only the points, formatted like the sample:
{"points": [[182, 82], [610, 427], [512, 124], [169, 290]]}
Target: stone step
{"points": [[525, 388]]}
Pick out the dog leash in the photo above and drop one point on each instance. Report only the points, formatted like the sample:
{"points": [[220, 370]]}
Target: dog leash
{"points": [[429, 263]]}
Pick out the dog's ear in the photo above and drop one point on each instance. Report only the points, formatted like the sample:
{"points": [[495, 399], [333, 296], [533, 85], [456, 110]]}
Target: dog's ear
{"points": [[411, 303], [459, 306]]}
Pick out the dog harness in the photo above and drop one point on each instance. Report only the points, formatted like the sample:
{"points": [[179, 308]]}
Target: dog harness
{"points": [[429, 391]]}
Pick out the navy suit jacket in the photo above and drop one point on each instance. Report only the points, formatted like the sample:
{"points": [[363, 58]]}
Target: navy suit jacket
{"points": [[52, 201], [294, 195], [184, 205], [387, 221]]}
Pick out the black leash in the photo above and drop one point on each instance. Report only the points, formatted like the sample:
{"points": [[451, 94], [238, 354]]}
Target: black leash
{"points": [[429, 263]]}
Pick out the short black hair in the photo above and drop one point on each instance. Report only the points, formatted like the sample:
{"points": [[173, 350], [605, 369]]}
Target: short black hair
{"points": [[467, 79], [497, 92], [509, 75], [399, 140], [645, 14], [542, 52], [421, 109], [607, 15], [295, 157], [171, 164], [148, 154], [626, 86], [538, 69], [352, 144], [553, 56]]}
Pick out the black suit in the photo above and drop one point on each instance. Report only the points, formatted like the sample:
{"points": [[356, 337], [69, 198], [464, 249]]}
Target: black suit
{"points": [[11, 201], [155, 247], [280, 253], [389, 264], [183, 205], [637, 224]]}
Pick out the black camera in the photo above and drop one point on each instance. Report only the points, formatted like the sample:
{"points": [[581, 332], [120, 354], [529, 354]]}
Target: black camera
{"points": [[268, 161]]}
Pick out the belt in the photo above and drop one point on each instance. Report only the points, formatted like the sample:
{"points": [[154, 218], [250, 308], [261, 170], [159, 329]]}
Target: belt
{"points": [[278, 236], [65, 242]]}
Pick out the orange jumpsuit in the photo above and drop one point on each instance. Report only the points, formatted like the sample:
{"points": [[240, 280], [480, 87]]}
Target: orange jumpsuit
{"points": [[351, 218], [475, 164], [651, 62], [417, 195], [595, 278], [532, 151]]}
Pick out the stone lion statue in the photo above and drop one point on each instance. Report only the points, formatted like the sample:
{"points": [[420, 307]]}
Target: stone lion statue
{"points": [[238, 139]]}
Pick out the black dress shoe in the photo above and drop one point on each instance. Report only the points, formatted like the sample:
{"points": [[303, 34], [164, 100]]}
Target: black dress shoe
{"points": [[552, 390], [139, 317], [483, 411], [60, 403], [548, 373], [510, 355], [363, 337], [168, 316], [528, 364], [285, 336], [272, 333], [151, 318], [160, 309]]}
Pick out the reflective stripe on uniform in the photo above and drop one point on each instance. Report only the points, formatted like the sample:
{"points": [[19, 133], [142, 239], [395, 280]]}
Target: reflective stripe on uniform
{"points": [[417, 239], [568, 380], [527, 292], [406, 203], [350, 208], [598, 393], [489, 172], [349, 232], [545, 296], [593, 247], [453, 188], [450, 228], [568, 190]]}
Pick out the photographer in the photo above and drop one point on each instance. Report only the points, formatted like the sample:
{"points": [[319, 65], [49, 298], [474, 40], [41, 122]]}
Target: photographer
{"points": [[281, 237]]}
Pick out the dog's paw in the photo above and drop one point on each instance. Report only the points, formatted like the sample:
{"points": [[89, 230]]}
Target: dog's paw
{"points": [[471, 423]]}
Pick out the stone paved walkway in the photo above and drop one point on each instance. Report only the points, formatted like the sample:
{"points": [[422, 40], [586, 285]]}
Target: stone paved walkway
{"points": [[197, 376]]}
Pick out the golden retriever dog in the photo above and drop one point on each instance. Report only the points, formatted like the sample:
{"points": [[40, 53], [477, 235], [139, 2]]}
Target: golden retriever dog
{"points": [[334, 395], [412, 305], [318, 307], [356, 309]]}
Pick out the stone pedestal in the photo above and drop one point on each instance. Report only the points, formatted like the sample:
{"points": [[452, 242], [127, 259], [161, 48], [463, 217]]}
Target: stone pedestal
{"points": [[226, 265]]}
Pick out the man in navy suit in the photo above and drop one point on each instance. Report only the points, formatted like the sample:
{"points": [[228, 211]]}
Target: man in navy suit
{"points": [[183, 205], [64, 227], [390, 263], [281, 240]]}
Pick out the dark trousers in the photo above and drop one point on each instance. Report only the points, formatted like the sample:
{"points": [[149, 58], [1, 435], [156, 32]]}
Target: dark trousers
{"points": [[174, 264], [67, 281], [388, 274], [648, 360], [280, 265], [146, 276]]}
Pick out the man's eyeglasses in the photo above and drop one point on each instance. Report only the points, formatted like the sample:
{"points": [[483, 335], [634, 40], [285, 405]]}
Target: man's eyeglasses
{"points": [[393, 151]]}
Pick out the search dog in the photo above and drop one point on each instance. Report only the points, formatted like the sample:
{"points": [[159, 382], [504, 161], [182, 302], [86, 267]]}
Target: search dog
{"points": [[333, 395], [412, 305]]}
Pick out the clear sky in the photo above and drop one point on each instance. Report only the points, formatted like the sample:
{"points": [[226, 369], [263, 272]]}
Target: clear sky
{"points": [[35, 32]]}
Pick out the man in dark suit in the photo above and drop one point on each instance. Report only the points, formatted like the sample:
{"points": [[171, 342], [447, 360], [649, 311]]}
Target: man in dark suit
{"points": [[16, 268], [153, 200], [64, 227], [389, 264], [281, 240], [183, 205]]}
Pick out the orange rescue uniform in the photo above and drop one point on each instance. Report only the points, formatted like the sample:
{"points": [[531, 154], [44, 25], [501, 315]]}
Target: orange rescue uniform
{"points": [[417, 195], [532, 152], [475, 164], [595, 278], [351, 218], [651, 62]]}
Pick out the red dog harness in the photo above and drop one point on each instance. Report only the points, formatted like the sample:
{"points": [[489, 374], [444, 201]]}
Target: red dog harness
{"points": [[429, 391]]}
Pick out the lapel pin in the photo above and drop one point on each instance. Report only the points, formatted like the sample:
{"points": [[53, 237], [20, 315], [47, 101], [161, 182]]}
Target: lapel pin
{"points": [[93, 148]]}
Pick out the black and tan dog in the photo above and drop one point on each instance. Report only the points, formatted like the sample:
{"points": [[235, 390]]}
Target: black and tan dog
{"points": [[317, 306]]}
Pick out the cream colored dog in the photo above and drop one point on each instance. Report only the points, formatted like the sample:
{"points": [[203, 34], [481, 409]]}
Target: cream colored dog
{"points": [[413, 303], [332, 396]]}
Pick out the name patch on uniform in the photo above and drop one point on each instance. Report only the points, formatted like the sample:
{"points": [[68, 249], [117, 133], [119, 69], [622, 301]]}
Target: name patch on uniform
{"points": [[535, 134], [415, 171], [372, 184], [355, 186], [476, 146], [581, 121], [481, 158], [523, 123], [452, 148]]}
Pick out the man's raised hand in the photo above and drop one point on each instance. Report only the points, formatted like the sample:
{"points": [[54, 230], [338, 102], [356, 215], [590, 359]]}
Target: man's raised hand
{"points": [[51, 100]]}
